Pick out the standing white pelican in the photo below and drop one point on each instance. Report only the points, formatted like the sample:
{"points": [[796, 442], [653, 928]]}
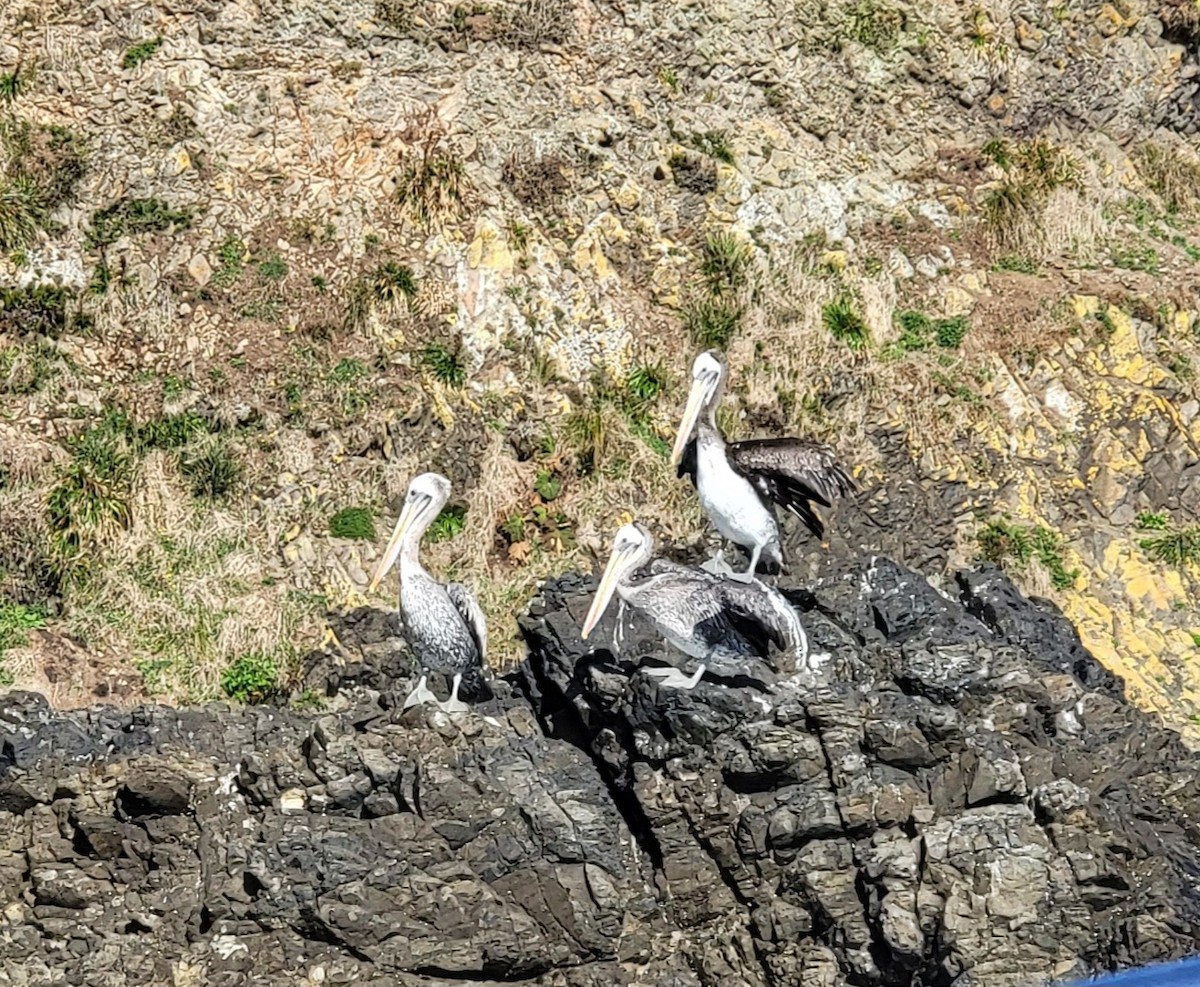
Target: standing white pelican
{"points": [[706, 617], [740, 482], [442, 621]]}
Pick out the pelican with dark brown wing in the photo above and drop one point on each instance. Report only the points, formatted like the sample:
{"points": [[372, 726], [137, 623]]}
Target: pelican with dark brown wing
{"points": [[740, 483]]}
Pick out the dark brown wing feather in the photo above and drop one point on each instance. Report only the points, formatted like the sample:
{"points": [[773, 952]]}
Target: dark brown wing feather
{"points": [[791, 473]]}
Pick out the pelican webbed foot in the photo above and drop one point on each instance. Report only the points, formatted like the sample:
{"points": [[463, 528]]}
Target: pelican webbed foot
{"points": [[420, 695], [454, 704], [673, 678], [717, 565]]}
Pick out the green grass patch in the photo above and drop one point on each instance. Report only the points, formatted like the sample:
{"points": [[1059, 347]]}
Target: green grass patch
{"points": [[448, 524], [714, 143], [1153, 521], [229, 262], [1137, 259], [547, 485], [136, 54], [647, 381], [1012, 546], [134, 217], [433, 187], [274, 268], [353, 522], [213, 469], [874, 25], [1016, 263]]}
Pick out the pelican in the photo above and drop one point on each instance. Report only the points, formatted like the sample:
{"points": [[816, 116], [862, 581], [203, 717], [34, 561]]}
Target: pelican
{"points": [[705, 616], [739, 483], [442, 621]]}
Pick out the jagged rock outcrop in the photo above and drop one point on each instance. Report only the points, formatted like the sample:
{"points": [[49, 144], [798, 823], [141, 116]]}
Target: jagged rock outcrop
{"points": [[954, 792]]}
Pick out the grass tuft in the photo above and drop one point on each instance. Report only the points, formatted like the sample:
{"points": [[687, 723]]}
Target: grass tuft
{"points": [[353, 522], [445, 366], [725, 263], [714, 143], [213, 470], [844, 323], [433, 187], [1174, 546], [1172, 177], [711, 322]]}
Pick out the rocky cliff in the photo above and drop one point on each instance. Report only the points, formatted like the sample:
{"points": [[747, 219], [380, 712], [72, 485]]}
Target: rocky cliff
{"points": [[951, 791], [260, 262]]}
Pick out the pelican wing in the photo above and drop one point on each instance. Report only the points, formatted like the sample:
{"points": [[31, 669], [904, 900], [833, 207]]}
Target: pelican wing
{"points": [[721, 611], [468, 607], [757, 606], [791, 473], [687, 462]]}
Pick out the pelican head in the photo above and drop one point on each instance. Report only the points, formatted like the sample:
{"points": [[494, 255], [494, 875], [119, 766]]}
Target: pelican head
{"points": [[632, 547], [708, 373], [427, 495]]}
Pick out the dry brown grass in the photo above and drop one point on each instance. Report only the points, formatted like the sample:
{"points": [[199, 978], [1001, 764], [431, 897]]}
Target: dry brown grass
{"points": [[184, 593]]}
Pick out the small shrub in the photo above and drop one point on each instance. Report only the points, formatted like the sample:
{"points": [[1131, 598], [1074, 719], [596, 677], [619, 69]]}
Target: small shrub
{"points": [[693, 174], [725, 263], [433, 187], [44, 309], [213, 469], [950, 332], [874, 25], [714, 143], [445, 365], [16, 621], [133, 217], [353, 522], [711, 322], [448, 524], [844, 323], [251, 678], [536, 181], [396, 14], [136, 54], [534, 23], [547, 485]]}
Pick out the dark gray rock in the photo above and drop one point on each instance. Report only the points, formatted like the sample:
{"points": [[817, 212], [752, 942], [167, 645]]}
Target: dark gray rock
{"points": [[956, 794], [913, 812]]}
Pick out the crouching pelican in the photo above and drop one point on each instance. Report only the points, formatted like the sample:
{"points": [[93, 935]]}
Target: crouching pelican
{"points": [[442, 621], [740, 482], [704, 616]]}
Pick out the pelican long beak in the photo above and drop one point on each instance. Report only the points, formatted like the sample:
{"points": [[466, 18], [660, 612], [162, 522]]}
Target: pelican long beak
{"points": [[695, 403], [617, 565], [408, 514]]}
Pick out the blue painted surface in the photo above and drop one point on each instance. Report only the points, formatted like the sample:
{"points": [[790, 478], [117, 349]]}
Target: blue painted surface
{"points": [[1184, 973]]}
